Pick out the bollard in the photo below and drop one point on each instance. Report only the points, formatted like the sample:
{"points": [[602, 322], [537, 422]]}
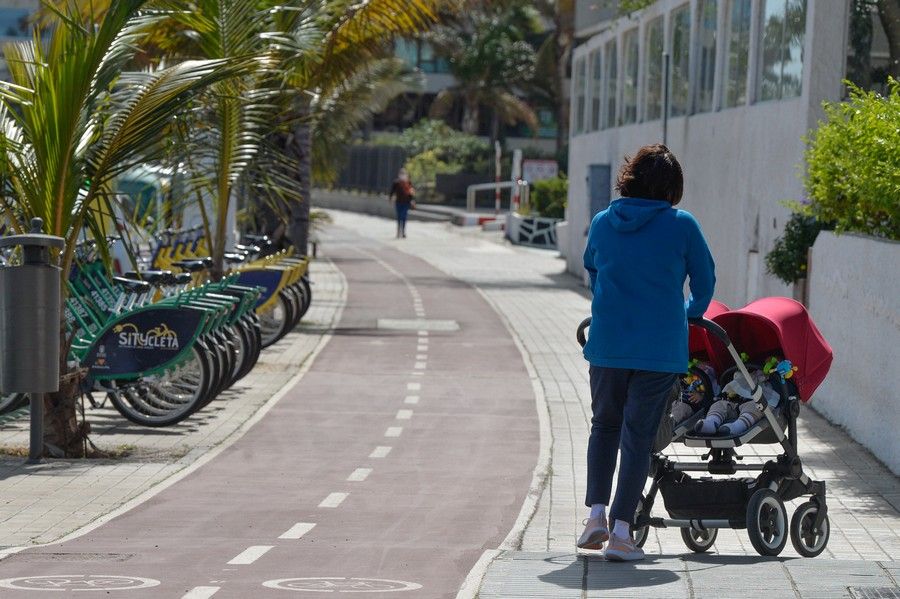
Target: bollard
{"points": [[29, 325]]}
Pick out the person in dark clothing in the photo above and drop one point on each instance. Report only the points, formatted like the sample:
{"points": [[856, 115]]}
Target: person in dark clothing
{"points": [[403, 195], [639, 253]]}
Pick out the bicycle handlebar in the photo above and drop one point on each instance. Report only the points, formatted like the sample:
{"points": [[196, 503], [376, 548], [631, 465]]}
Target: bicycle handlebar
{"points": [[703, 323]]}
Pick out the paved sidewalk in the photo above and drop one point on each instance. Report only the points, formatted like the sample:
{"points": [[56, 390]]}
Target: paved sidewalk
{"points": [[542, 305], [40, 504]]}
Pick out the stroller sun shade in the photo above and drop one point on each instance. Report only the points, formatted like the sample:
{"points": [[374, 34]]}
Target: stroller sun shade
{"points": [[780, 325]]}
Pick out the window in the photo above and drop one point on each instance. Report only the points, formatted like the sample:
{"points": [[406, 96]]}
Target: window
{"points": [[579, 95], [596, 89], [681, 60], [783, 33], [629, 90], [738, 53], [653, 68], [612, 74], [706, 69]]}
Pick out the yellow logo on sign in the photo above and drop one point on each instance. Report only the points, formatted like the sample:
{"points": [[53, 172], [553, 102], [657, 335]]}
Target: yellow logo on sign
{"points": [[161, 337]]}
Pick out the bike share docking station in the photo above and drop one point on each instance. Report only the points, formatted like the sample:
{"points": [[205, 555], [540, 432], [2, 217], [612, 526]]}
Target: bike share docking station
{"points": [[30, 299]]}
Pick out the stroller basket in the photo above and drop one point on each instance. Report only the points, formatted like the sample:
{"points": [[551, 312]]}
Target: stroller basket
{"points": [[706, 497]]}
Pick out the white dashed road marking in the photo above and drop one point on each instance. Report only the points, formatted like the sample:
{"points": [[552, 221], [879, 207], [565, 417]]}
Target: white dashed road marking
{"points": [[413, 386], [421, 357], [422, 348], [359, 475], [200, 593], [423, 333], [404, 414], [380, 452], [298, 530], [250, 555], [411, 399], [393, 431], [334, 500], [420, 365]]}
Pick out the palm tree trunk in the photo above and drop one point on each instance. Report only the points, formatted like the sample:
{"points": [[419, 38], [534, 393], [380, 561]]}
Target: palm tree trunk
{"points": [[889, 13], [470, 116], [298, 228]]}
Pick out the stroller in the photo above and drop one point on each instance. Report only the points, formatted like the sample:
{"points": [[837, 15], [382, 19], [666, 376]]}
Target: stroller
{"points": [[700, 505]]}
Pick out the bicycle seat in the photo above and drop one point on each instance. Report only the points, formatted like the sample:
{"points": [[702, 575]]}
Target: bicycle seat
{"points": [[232, 258], [132, 286], [154, 277], [182, 278], [257, 238], [191, 265], [252, 249]]}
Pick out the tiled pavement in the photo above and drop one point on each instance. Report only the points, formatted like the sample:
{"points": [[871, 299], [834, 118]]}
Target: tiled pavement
{"points": [[542, 305], [39, 504]]}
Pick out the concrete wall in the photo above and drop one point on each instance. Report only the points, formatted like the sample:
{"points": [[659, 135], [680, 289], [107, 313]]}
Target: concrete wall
{"points": [[364, 203], [854, 291], [739, 163]]}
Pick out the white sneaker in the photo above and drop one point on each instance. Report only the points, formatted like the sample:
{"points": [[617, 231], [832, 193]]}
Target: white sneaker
{"points": [[623, 550], [596, 532]]}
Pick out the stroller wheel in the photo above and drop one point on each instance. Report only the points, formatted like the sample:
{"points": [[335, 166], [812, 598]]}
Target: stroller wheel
{"points": [[805, 541], [767, 523], [699, 541], [640, 534]]}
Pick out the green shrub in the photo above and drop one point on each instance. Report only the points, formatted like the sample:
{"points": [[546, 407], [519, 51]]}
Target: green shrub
{"points": [[449, 145], [788, 258], [853, 164], [423, 167], [548, 197]]}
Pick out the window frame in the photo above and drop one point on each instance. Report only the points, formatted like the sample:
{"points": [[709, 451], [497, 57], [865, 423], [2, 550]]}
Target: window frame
{"points": [[647, 58], [626, 35], [688, 7]]}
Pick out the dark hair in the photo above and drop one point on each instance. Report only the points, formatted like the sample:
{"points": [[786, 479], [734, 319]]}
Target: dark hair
{"points": [[653, 174]]}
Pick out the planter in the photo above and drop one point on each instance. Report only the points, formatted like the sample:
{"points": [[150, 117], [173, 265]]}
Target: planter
{"points": [[854, 297], [533, 231]]}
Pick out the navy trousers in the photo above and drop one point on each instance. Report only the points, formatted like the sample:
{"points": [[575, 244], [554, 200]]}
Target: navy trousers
{"points": [[627, 407]]}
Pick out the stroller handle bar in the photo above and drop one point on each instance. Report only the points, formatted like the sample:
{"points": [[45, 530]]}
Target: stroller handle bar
{"points": [[713, 328]]}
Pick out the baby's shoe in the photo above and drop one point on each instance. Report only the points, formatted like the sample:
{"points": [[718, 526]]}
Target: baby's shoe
{"points": [[596, 532]]}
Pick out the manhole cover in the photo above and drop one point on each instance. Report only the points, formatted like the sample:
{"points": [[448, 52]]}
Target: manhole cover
{"points": [[78, 582], [875, 592], [341, 585], [417, 324]]}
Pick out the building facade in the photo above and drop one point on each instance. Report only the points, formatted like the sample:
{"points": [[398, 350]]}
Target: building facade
{"points": [[747, 79]]}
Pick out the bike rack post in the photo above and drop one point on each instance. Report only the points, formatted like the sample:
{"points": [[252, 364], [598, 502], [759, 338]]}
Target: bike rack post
{"points": [[29, 325]]}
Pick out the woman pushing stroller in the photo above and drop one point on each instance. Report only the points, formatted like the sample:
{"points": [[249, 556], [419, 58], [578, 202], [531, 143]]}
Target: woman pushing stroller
{"points": [[639, 253]]}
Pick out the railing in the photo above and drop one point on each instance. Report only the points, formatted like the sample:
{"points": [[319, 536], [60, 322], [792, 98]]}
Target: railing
{"points": [[520, 194]]}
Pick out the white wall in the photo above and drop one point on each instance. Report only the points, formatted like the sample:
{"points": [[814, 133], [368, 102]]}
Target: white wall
{"points": [[740, 163], [854, 291]]}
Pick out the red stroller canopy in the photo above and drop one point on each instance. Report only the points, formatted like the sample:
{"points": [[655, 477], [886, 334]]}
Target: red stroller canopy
{"points": [[781, 326], [699, 340]]}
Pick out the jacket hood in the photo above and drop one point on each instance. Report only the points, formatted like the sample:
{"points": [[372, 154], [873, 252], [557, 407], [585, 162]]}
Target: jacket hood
{"points": [[630, 214]]}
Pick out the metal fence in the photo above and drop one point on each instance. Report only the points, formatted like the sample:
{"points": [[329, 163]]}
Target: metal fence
{"points": [[371, 168]]}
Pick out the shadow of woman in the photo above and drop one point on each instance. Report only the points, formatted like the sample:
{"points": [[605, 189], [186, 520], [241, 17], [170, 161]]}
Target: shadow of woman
{"points": [[595, 573]]}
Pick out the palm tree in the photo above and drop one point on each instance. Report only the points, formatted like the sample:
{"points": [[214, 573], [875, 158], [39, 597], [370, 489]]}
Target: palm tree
{"points": [[70, 121], [490, 61]]}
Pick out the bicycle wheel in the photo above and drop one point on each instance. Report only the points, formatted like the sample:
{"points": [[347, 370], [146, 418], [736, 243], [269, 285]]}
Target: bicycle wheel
{"points": [[307, 295], [274, 322], [167, 398], [11, 402]]}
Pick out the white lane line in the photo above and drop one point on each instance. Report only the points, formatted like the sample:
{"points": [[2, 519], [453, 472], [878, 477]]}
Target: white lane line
{"points": [[417, 373], [422, 348], [359, 475], [380, 452], [200, 593], [404, 414], [421, 356], [298, 530], [393, 431], [250, 555], [423, 333], [334, 500], [413, 386], [420, 365], [411, 399]]}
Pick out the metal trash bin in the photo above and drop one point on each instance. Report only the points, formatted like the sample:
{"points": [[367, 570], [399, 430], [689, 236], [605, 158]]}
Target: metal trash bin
{"points": [[30, 315]]}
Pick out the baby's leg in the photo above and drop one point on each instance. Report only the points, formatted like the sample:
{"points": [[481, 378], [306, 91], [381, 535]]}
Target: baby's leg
{"points": [[721, 411], [750, 413], [681, 411]]}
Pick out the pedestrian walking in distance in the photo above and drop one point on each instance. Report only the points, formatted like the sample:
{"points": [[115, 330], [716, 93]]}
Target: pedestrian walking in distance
{"points": [[404, 197], [639, 253]]}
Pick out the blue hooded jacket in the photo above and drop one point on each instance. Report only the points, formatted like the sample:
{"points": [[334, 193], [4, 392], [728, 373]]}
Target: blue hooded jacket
{"points": [[639, 254]]}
